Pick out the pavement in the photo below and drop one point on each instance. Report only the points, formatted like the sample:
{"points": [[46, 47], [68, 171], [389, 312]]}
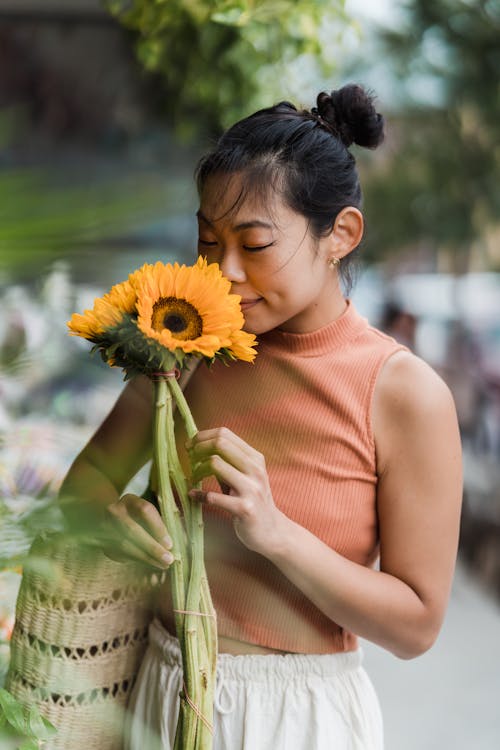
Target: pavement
{"points": [[448, 698]]}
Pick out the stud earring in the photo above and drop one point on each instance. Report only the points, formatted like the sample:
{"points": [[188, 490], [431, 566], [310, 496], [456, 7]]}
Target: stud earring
{"points": [[333, 262]]}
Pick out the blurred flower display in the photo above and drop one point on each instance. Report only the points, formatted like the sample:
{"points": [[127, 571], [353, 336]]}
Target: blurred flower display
{"points": [[42, 425]]}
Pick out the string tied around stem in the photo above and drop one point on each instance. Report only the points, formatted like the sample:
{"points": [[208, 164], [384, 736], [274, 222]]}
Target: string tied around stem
{"points": [[164, 374], [196, 709], [192, 612]]}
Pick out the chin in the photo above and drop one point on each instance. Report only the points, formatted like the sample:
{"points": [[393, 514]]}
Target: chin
{"points": [[261, 321], [251, 329], [256, 329]]}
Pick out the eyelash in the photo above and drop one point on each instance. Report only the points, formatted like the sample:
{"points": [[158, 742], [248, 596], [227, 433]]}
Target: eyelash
{"points": [[253, 249]]}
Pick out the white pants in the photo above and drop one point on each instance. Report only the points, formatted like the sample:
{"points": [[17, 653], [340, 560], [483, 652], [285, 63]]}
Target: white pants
{"points": [[262, 702]]}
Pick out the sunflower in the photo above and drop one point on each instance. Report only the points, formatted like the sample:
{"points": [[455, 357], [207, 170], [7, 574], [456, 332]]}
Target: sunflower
{"points": [[162, 314], [242, 344], [190, 309], [108, 311]]}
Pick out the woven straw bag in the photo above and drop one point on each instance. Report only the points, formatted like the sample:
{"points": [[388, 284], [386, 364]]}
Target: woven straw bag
{"points": [[80, 633]]}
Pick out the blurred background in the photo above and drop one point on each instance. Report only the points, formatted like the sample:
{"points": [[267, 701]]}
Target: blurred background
{"points": [[105, 108]]}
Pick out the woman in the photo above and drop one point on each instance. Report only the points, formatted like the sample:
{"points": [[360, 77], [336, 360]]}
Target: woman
{"points": [[337, 447]]}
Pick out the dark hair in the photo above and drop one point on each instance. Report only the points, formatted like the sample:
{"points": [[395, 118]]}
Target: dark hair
{"points": [[304, 155]]}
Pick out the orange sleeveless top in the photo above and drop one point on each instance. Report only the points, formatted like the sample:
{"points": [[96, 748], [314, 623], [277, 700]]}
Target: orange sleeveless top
{"points": [[305, 404]]}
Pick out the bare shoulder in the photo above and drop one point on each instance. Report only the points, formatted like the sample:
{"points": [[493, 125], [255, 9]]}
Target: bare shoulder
{"points": [[410, 399], [408, 384]]}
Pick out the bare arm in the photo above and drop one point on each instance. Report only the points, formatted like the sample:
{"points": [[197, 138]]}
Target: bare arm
{"points": [[119, 448], [400, 607], [128, 526]]}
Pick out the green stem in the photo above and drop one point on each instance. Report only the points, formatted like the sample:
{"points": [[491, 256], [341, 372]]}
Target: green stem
{"points": [[176, 472], [168, 507], [192, 622], [204, 740], [179, 482], [188, 637], [183, 407], [209, 623], [182, 721], [201, 637]]}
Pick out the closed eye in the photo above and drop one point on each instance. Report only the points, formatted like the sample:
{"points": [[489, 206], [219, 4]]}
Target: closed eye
{"points": [[256, 248], [248, 248]]}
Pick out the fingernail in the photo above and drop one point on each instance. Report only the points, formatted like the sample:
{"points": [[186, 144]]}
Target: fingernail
{"points": [[167, 558], [167, 542]]}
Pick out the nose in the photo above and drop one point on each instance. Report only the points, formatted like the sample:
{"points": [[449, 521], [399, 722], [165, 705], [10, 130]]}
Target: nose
{"points": [[231, 265]]}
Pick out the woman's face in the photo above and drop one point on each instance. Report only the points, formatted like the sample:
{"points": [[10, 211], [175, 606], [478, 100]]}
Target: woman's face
{"points": [[267, 252]]}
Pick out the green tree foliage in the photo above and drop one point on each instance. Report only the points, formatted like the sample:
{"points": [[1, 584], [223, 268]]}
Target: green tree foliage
{"points": [[220, 59], [441, 184]]}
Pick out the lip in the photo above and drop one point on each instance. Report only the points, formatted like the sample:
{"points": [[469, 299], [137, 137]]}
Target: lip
{"points": [[246, 304]]}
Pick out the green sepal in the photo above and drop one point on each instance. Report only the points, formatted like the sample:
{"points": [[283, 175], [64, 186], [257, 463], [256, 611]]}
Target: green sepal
{"points": [[127, 347], [224, 355]]}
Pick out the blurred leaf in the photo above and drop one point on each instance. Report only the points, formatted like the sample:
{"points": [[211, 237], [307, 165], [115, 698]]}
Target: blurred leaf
{"points": [[13, 712], [26, 722], [212, 56], [39, 726], [42, 219], [19, 530], [31, 744]]}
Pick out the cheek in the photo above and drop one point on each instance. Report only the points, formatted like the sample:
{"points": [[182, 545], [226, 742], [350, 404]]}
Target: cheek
{"points": [[212, 254]]}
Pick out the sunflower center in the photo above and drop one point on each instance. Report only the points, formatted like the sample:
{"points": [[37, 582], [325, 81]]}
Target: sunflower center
{"points": [[175, 323], [180, 317]]}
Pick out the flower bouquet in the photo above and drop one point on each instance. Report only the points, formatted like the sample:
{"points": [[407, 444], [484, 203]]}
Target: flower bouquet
{"points": [[155, 324]]}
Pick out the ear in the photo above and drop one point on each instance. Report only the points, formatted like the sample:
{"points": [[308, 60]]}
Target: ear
{"points": [[347, 231]]}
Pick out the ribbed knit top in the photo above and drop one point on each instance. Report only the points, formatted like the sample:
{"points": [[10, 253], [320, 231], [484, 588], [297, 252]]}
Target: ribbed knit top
{"points": [[305, 404]]}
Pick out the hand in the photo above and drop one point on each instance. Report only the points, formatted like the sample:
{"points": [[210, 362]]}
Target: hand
{"points": [[246, 493], [133, 528]]}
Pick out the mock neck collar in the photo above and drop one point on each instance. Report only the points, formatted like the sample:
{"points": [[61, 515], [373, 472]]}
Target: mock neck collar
{"points": [[325, 339]]}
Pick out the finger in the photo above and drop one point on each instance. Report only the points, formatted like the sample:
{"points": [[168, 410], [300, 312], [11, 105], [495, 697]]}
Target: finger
{"points": [[133, 532], [149, 518], [224, 488], [234, 505], [127, 551], [114, 553], [226, 444], [221, 433], [123, 551], [226, 474]]}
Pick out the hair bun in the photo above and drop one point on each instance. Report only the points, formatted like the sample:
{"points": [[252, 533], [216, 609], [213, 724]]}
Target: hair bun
{"points": [[350, 112]]}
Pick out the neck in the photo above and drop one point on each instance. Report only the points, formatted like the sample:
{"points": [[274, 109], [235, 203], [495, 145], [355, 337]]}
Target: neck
{"points": [[329, 309]]}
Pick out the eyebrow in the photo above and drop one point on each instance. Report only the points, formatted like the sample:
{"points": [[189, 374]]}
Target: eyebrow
{"points": [[239, 227]]}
